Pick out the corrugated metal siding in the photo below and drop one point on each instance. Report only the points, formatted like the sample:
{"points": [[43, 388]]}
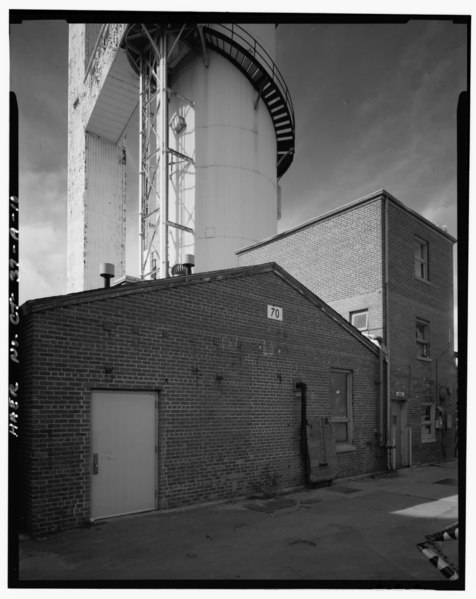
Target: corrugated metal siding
{"points": [[236, 187], [106, 209]]}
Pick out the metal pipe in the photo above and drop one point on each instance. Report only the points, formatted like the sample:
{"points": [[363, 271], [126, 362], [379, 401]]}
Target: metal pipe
{"points": [[381, 395], [106, 271], [304, 449]]}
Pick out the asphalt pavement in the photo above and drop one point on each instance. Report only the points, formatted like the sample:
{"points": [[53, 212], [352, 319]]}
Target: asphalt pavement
{"points": [[362, 531]]}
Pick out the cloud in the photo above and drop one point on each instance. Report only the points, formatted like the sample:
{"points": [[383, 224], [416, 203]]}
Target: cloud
{"points": [[397, 134], [440, 212], [39, 60], [42, 260], [35, 283]]}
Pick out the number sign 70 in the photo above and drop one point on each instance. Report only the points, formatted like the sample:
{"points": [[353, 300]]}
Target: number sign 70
{"points": [[275, 312]]}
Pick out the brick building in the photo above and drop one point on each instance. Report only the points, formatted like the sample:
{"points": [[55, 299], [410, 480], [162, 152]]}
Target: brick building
{"points": [[164, 393], [389, 271]]}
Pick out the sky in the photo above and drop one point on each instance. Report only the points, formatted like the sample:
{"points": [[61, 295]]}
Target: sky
{"points": [[375, 107]]}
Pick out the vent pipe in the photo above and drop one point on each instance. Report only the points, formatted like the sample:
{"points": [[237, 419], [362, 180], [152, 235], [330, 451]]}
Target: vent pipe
{"points": [[189, 263], [106, 270]]}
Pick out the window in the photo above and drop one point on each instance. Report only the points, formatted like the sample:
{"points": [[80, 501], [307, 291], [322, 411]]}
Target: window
{"points": [[360, 320], [421, 259], [341, 405], [423, 339], [427, 422]]}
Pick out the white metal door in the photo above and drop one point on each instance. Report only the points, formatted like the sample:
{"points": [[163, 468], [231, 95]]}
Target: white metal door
{"points": [[124, 471]]}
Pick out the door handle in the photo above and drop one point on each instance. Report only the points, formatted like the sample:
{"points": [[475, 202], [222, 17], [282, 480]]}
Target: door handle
{"points": [[95, 463]]}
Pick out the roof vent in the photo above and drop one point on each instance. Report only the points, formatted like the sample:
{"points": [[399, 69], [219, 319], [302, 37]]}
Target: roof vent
{"points": [[185, 268], [106, 270]]}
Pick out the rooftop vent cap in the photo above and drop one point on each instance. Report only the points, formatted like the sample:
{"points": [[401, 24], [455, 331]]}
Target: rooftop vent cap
{"points": [[189, 260], [184, 268], [106, 270]]}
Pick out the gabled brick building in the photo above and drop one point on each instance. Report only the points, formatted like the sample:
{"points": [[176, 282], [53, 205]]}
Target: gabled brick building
{"points": [[389, 271], [164, 393]]}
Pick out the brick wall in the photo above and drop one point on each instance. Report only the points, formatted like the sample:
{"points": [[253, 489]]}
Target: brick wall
{"points": [[339, 258], [228, 418], [432, 300]]}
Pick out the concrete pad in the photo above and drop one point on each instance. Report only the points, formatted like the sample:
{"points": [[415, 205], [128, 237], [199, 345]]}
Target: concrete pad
{"points": [[315, 535]]}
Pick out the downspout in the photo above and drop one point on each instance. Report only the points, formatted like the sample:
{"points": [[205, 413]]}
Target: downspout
{"points": [[381, 392], [389, 444], [304, 450]]}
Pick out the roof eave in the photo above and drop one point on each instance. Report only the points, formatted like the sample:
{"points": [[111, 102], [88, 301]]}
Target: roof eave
{"points": [[379, 194]]}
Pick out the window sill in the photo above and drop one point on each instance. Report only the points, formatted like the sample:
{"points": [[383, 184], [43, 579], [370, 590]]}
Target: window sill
{"points": [[426, 281], [420, 359], [432, 440], [344, 447]]}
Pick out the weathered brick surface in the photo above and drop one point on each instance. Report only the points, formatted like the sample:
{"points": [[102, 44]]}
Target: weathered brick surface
{"points": [[338, 258], [432, 300], [341, 258], [228, 418]]}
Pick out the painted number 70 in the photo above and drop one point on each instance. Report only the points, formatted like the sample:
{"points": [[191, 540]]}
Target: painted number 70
{"points": [[275, 312]]}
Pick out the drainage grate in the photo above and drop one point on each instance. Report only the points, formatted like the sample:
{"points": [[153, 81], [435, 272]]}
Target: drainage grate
{"points": [[447, 481]]}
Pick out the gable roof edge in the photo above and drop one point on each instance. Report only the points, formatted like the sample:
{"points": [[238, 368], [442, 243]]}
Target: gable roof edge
{"points": [[376, 195], [321, 304], [101, 293], [84, 297]]}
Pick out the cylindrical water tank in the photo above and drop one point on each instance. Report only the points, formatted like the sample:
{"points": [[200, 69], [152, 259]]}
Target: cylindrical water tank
{"points": [[230, 135], [235, 159]]}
